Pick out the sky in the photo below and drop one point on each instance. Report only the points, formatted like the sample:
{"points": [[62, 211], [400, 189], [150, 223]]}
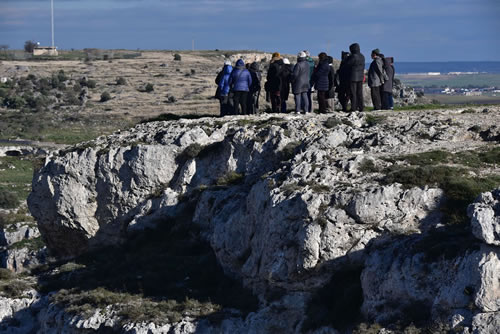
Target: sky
{"points": [[424, 30]]}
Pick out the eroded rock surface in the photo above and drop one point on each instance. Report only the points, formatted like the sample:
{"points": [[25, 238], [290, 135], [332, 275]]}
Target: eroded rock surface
{"points": [[284, 202]]}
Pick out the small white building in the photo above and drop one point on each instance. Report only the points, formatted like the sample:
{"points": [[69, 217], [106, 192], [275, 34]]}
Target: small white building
{"points": [[45, 51]]}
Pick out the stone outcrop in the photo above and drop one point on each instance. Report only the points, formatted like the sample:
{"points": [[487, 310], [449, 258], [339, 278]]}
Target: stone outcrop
{"points": [[485, 217], [17, 246], [285, 203]]}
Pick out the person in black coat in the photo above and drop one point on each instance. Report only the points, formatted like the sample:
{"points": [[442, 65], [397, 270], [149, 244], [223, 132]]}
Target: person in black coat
{"points": [[344, 77], [321, 82], [330, 96], [388, 100], [253, 95], [356, 64], [273, 81]]}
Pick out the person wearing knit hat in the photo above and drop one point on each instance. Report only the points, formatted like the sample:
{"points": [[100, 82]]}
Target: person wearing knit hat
{"points": [[376, 79], [273, 81]]}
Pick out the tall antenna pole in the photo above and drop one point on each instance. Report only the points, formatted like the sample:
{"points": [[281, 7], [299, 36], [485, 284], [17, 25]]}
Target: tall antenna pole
{"points": [[52, 20]]}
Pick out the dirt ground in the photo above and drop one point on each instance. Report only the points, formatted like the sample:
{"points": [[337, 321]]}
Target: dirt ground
{"points": [[190, 81]]}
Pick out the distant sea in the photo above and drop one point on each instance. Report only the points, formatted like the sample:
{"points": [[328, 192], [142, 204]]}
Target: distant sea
{"points": [[446, 67]]}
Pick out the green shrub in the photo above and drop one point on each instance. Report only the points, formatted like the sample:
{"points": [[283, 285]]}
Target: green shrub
{"points": [[61, 76], [230, 178], [105, 97], [289, 151], [87, 83], [460, 189], [13, 288], [177, 57], [14, 102], [8, 200], [332, 122], [121, 81], [6, 274], [149, 88], [372, 120], [367, 166]]}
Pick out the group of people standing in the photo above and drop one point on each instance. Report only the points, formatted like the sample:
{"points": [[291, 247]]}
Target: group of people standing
{"points": [[239, 87]]}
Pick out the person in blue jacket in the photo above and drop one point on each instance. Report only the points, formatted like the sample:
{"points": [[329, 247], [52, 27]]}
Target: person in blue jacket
{"points": [[240, 82], [226, 103]]}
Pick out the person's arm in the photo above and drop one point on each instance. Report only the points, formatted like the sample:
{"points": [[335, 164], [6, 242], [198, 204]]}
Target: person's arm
{"points": [[249, 79]]}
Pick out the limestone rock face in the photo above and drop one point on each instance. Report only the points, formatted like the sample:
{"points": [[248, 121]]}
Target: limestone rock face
{"points": [[485, 217], [284, 202], [273, 227], [16, 246]]}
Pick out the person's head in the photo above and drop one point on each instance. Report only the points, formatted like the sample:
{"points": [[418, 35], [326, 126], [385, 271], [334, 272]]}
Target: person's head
{"points": [[344, 55], [240, 63], [227, 63], [276, 55], [330, 59], [307, 53], [354, 48], [301, 54], [322, 56], [286, 61], [255, 66], [375, 53]]}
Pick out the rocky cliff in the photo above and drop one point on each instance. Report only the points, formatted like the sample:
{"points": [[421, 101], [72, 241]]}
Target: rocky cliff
{"points": [[330, 220]]}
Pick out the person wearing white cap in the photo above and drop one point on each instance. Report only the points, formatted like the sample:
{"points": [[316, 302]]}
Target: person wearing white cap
{"points": [[300, 83]]}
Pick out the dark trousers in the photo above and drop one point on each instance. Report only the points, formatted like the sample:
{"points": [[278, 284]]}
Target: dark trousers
{"points": [[322, 96], [344, 97], [226, 105], [376, 99], [253, 103], [275, 101], [357, 102], [240, 100], [387, 101]]}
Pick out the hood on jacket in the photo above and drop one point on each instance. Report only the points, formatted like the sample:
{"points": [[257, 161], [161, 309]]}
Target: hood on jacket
{"points": [[255, 66], [228, 69], [344, 55], [240, 63], [275, 59], [354, 48]]}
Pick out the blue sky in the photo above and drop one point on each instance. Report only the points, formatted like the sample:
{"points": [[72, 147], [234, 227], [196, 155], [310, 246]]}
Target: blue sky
{"points": [[425, 30]]}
